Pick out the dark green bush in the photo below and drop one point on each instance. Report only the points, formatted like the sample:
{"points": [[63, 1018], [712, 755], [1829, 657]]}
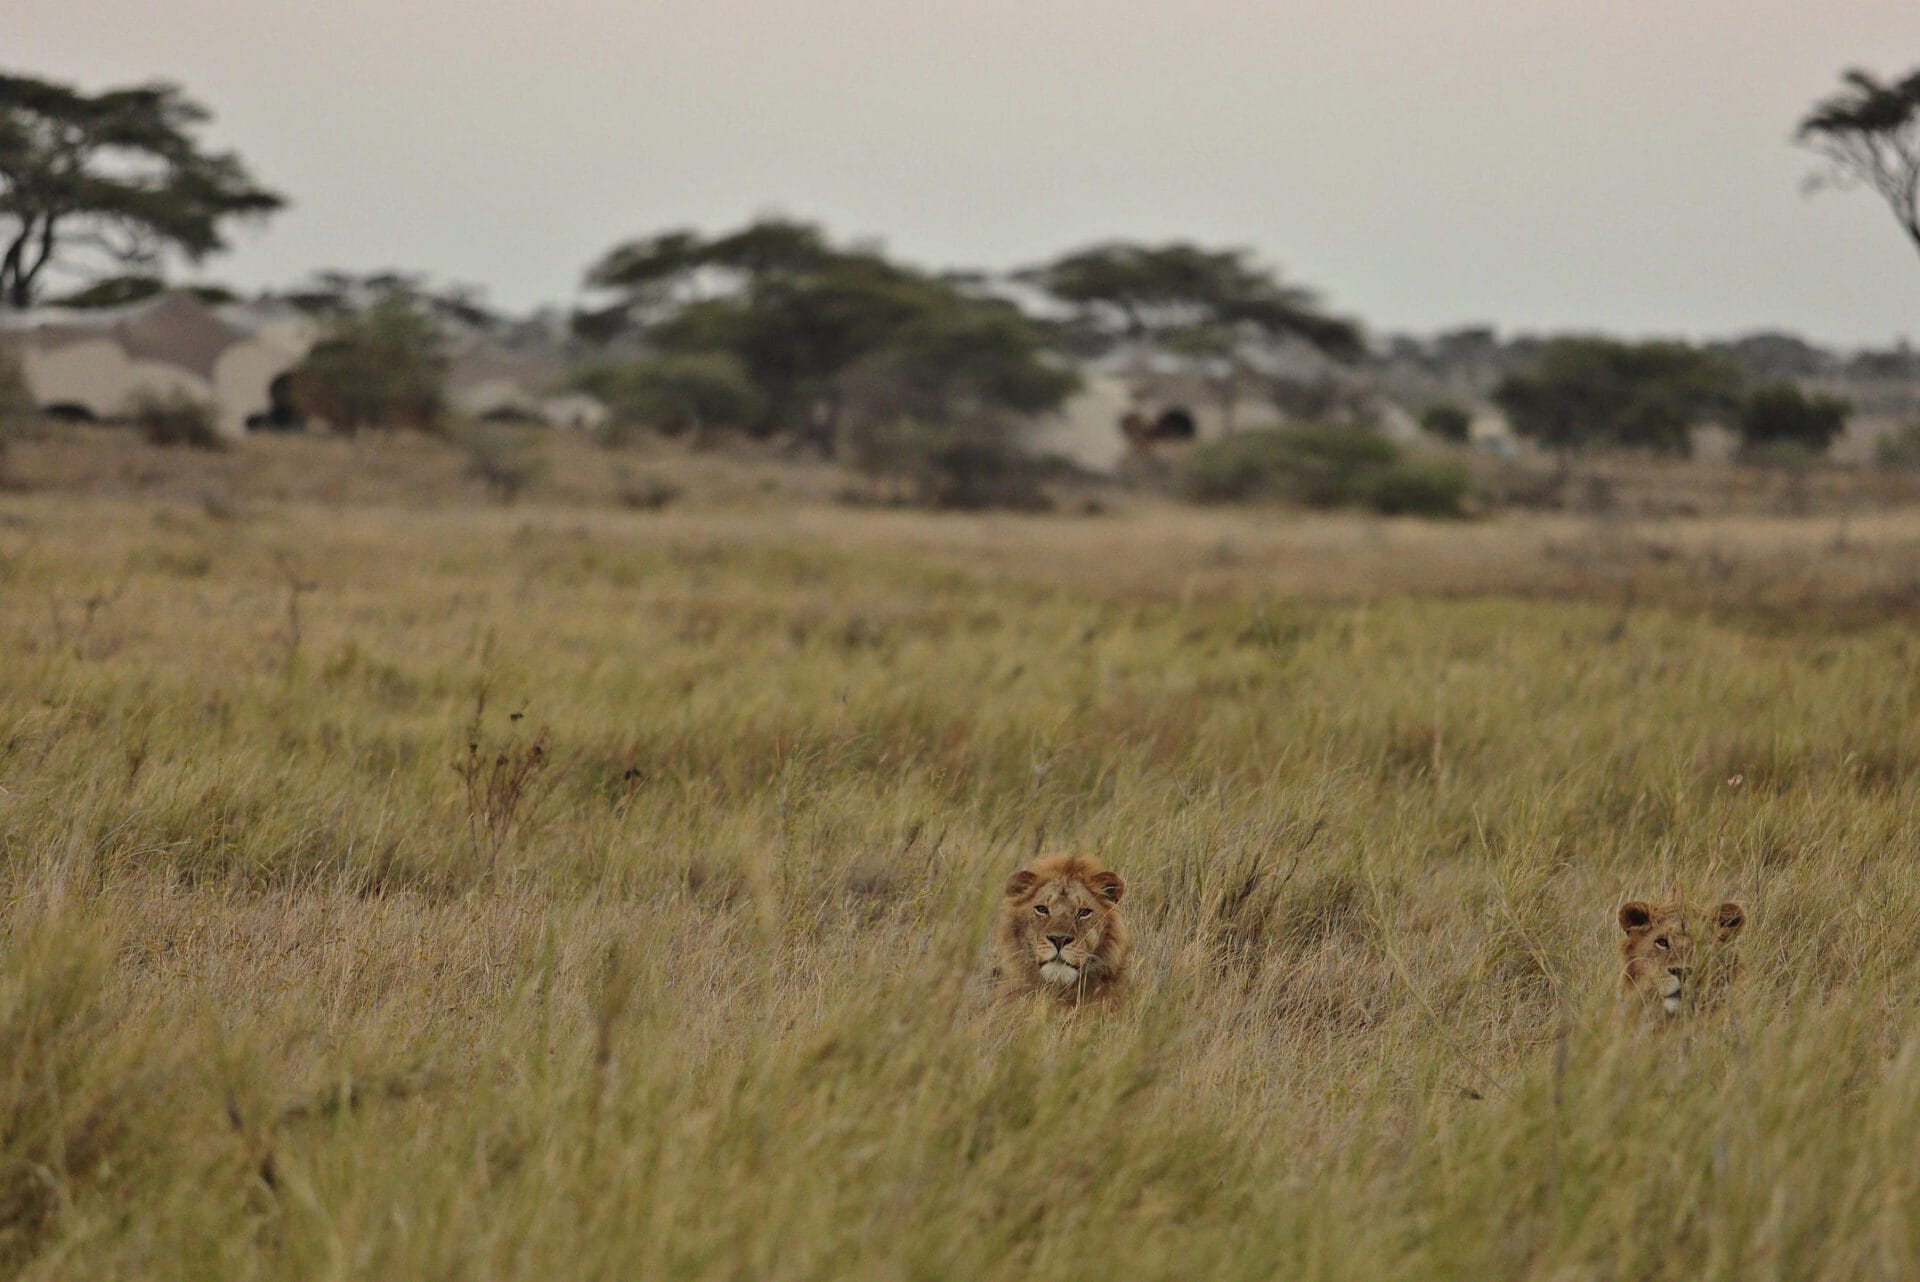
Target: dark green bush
{"points": [[1316, 465], [1448, 422], [1325, 466], [674, 393], [952, 468], [1416, 486], [384, 368], [1780, 414]]}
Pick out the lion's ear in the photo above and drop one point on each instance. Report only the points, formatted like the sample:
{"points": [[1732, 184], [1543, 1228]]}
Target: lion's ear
{"points": [[1635, 915], [1729, 918], [1108, 886], [1021, 882]]}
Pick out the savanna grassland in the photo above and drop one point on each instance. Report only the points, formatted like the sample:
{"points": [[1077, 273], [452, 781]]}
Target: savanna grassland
{"points": [[408, 889]]}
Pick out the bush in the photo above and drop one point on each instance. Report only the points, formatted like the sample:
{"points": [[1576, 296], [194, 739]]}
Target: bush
{"points": [[1448, 422], [1584, 392], [1419, 487], [384, 368], [1325, 466], [1782, 414], [676, 393], [1317, 465], [177, 419], [509, 460], [952, 468]]}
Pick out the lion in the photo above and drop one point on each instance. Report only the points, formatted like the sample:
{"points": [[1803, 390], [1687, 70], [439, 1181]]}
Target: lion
{"points": [[1661, 960], [1060, 932]]}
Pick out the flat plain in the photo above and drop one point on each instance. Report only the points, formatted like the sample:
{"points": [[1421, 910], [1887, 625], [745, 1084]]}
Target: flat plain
{"points": [[397, 886]]}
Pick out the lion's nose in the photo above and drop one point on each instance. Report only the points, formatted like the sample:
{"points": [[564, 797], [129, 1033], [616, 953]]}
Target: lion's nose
{"points": [[1059, 941], [1678, 972]]}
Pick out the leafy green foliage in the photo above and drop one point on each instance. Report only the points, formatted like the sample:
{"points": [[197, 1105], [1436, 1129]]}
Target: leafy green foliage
{"points": [[948, 468], [1782, 414], [806, 319], [1869, 132], [1415, 485], [1183, 293], [1448, 421], [117, 176], [381, 369], [1595, 391], [1318, 465], [675, 392]]}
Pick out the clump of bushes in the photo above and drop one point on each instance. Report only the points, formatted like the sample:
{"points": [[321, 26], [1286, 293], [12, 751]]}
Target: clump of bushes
{"points": [[675, 394], [1419, 486], [176, 419], [1325, 466], [956, 469], [1448, 422], [384, 368], [1780, 417]]}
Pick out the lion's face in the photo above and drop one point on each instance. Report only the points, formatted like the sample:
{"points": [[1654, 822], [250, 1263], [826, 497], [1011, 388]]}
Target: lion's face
{"points": [[1678, 954], [1062, 917]]}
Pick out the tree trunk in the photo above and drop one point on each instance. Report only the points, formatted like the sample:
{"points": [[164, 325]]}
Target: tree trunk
{"points": [[14, 290]]}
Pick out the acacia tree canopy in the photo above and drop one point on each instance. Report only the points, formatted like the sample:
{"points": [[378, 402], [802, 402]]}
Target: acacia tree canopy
{"points": [[117, 178], [813, 323], [1595, 391], [1158, 291], [1869, 131]]}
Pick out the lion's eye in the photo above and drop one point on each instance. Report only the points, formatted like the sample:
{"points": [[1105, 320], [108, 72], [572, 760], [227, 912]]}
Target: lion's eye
{"points": [[1084, 913], [1042, 910], [1661, 944]]}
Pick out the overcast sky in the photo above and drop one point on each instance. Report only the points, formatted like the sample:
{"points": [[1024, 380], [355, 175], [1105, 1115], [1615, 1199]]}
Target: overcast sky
{"points": [[1536, 164]]}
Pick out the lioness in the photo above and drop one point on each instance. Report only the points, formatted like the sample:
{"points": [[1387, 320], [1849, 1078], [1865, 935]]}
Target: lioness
{"points": [[1661, 960], [1060, 932]]}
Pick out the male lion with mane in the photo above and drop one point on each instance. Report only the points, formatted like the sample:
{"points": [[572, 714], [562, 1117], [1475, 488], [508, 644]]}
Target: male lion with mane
{"points": [[1060, 932], [1662, 962]]}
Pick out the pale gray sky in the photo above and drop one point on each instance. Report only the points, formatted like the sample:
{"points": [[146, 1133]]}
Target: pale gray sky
{"points": [[1617, 164]]}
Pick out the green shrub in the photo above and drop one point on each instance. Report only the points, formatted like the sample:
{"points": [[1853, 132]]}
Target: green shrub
{"points": [[1316, 465], [956, 469], [1782, 414], [1325, 466], [384, 368], [1419, 487], [1448, 422], [676, 393], [176, 419]]}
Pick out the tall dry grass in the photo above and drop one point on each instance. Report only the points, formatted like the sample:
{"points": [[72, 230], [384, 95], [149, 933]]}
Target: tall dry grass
{"points": [[306, 971]]}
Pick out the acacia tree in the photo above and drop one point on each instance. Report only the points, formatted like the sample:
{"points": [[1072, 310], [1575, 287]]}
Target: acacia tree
{"points": [[117, 178], [1215, 306], [818, 327], [1869, 133], [1595, 391]]}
